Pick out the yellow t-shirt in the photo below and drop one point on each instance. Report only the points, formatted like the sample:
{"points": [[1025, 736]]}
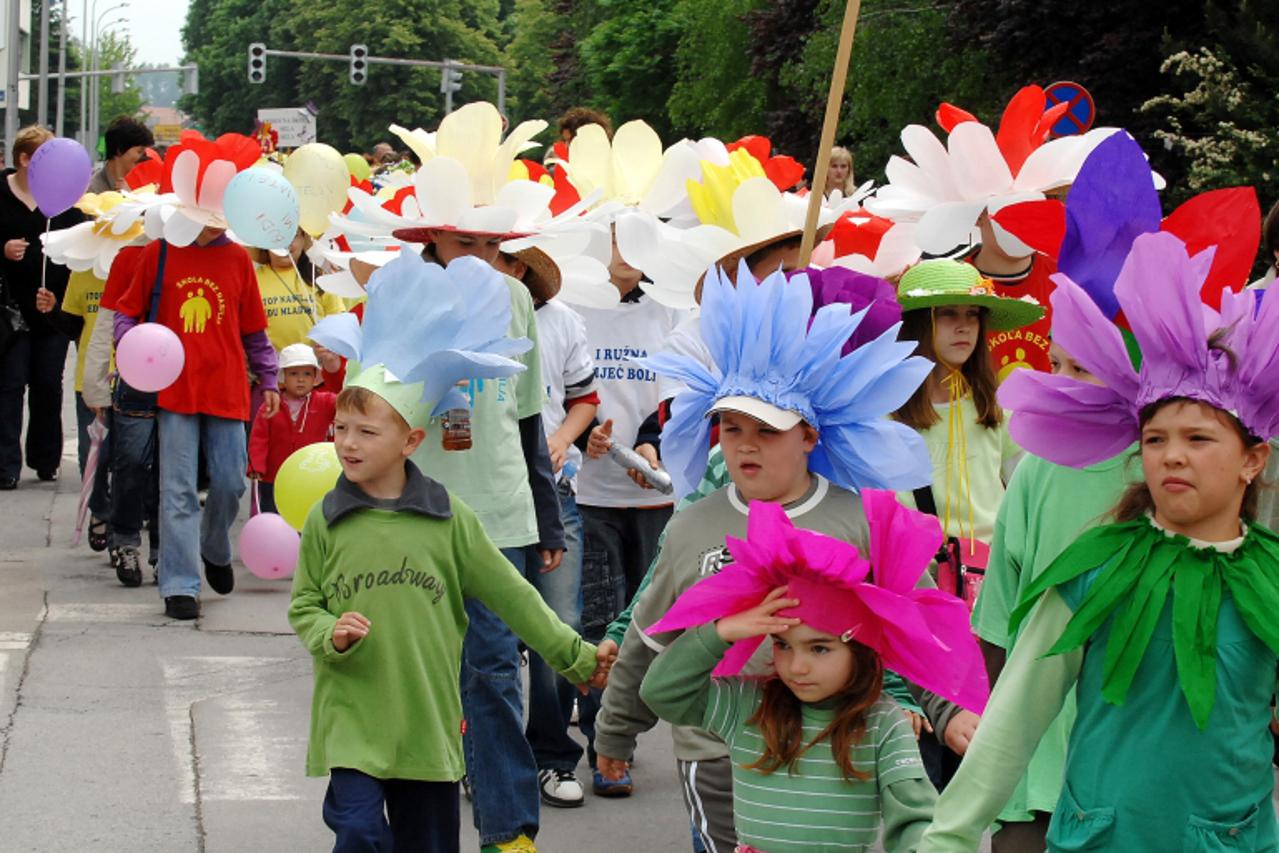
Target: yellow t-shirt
{"points": [[84, 289], [292, 306]]}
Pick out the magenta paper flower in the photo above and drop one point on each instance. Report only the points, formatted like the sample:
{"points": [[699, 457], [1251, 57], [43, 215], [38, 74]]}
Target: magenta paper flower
{"points": [[921, 634]]}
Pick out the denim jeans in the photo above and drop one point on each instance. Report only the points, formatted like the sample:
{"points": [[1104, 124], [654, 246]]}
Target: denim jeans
{"points": [[99, 498], [628, 536], [550, 701], [424, 817], [135, 480], [186, 533], [499, 760], [32, 365]]}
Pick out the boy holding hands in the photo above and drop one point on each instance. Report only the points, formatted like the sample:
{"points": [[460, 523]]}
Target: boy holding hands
{"points": [[387, 559]]}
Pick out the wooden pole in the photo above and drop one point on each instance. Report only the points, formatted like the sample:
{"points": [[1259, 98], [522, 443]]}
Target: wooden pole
{"points": [[829, 125]]}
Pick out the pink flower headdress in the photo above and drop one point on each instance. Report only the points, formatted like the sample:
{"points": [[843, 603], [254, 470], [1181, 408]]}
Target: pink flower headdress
{"points": [[921, 634]]}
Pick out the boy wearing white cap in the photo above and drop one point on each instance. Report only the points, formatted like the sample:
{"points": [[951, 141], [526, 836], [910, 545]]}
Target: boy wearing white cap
{"points": [[305, 416]]}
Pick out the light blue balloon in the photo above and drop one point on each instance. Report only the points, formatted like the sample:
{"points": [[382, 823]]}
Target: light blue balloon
{"points": [[262, 208]]}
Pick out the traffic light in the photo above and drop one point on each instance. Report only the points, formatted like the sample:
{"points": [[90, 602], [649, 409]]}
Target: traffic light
{"points": [[359, 64], [257, 62], [450, 79], [191, 80]]}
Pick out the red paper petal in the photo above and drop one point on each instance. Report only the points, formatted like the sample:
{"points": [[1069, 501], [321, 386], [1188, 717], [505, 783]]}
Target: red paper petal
{"points": [[949, 115], [785, 172], [146, 172], [1051, 116], [561, 151], [1017, 126], [1040, 224], [1229, 219], [853, 239], [395, 204], [566, 195], [760, 147]]}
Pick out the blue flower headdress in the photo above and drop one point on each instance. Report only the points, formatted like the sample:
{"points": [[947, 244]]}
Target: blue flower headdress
{"points": [[764, 348], [427, 328]]}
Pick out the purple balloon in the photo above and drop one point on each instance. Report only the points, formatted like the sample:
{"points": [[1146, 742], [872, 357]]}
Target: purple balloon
{"points": [[59, 174], [269, 547], [150, 357]]}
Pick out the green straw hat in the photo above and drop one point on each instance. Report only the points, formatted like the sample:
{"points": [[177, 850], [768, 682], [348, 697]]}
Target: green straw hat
{"points": [[937, 282]]}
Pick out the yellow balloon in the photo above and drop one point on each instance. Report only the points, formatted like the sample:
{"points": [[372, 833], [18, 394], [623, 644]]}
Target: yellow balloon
{"points": [[304, 479], [357, 166], [321, 178]]}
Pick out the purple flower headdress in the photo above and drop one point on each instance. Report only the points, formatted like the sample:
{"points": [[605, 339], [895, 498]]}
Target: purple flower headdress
{"points": [[1158, 290]]}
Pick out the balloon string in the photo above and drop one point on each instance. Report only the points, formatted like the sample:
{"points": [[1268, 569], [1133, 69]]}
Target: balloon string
{"points": [[44, 258]]}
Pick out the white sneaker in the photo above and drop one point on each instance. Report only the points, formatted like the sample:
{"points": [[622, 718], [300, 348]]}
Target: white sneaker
{"points": [[560, 788]]}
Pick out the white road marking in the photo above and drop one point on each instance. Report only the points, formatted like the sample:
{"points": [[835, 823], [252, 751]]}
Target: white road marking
{"points": [[104, 612], [256, 756], [12, 641]]}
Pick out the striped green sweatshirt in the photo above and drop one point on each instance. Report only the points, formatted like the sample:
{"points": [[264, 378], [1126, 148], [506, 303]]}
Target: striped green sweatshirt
{"points": [[812, 809]]}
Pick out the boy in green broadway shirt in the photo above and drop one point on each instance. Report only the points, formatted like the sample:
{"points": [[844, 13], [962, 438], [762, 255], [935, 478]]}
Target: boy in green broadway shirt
{"points": [[387, 559]]}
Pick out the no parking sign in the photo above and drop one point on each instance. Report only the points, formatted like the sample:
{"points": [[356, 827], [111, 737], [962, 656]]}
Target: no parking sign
{"points": [[1079, 115]]}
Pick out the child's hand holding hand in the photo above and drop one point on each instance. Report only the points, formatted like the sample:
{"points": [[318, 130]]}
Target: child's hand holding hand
{"points": [[350, 628], [960, 730], [605, 657], [759, 620]]}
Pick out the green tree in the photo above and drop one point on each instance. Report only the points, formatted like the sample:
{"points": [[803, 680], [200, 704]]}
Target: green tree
{"points": [[534, 28], [216, 37], [1222, 125], [357, 117], [901, 69], [715, 92], [626, 60], [115, 51]]}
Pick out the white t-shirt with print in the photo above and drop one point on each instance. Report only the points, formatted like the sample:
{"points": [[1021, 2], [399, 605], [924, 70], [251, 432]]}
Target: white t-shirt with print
{"points": [[628, 393], [566, 361]]}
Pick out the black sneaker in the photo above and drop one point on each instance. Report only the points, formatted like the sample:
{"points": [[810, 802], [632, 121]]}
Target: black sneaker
{"points": [[221, 578], [128, 565], [181, 607], [8, 484], [48, 476], [560, 788]]}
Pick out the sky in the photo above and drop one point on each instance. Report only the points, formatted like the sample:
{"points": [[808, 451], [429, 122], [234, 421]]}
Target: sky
{"points": [[154, 26]]}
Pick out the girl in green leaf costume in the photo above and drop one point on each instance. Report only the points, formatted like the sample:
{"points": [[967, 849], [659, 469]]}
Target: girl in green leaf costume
{"points": [[1165, 624]]}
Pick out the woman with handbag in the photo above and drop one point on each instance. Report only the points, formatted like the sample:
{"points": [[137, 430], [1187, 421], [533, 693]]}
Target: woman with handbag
{"points": [[32, 361]]}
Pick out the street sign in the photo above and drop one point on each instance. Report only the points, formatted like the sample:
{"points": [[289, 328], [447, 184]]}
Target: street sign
{"points": [[295, 125], [1081, 113], [167, 134]]}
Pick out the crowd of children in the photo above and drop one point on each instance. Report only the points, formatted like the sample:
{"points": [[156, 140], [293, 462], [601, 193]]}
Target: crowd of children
{"points": [[905, 551]]}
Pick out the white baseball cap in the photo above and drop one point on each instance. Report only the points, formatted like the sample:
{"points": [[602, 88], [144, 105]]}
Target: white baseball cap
{"points": [[298, 355], [777, 418]]}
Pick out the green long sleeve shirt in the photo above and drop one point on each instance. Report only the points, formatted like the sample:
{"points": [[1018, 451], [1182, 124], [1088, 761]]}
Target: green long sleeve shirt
{"points": [[389, 705], [812, 808]]}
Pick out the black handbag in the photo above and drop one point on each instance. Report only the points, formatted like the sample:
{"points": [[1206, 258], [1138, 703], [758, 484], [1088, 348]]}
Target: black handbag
{"points": [[11, 320]]}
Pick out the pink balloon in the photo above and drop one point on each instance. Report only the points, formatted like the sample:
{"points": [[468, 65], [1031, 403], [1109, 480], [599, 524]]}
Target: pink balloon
{"points": [[150, 357], [269, 547]]}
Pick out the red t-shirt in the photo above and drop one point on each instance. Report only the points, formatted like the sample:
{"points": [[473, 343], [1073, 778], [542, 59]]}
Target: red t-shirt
{"points": [[121, 274], [210, 299], [1027, 346]]}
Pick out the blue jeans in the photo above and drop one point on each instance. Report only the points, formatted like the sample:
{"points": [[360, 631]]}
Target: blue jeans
{"points": [[135, 481], [99, 498], [499, 760], [550, 701], [186, 533], [424, 817]]}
